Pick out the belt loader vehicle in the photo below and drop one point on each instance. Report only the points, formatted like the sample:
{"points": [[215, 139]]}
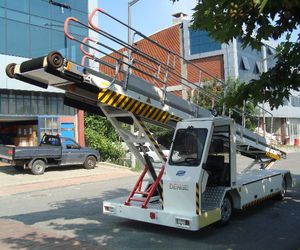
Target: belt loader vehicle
{"points": [[198, 184]]}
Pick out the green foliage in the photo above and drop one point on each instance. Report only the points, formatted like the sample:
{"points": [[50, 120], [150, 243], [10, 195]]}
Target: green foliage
{"points": [[232, 91], [101, 135], [164, 135], [255, 21]]}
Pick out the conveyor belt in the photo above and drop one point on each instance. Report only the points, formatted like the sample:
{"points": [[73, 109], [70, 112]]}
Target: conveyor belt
{"points": [[87, 89]]}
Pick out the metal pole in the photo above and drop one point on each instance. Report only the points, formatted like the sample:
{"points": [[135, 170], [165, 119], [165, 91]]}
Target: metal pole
{"points": [[130, 3]]}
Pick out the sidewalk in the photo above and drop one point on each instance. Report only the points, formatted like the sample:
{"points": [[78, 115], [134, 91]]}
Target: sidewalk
{"points": [[16, 235], [13, 182]]}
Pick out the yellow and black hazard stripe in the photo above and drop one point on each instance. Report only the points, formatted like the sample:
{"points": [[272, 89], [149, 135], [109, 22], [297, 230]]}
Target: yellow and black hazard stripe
{"points": [[272, 155], [197, 199], [260, 200], [137, 107]]}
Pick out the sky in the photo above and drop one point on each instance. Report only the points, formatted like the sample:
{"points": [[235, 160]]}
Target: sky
{"points": [[149, 16]]}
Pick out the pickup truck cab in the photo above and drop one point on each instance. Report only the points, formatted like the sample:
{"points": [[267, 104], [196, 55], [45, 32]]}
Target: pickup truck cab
{"points": [[53, 151]]}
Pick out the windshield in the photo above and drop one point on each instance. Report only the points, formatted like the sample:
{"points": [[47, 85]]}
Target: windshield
{"points": [[188, 147]]}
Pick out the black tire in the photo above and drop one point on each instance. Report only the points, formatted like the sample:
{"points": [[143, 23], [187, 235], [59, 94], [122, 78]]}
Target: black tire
{"points": [[19, 168], [55, 59], [226, 210], [38, 167], [10, 70], [90, 162], [282, 193]]}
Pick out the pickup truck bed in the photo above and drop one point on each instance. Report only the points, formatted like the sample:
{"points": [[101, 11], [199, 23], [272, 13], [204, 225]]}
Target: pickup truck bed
{"points": [[12, 153]]}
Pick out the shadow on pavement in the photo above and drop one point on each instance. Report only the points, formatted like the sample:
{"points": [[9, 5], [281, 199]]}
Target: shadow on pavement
{"points": [[10, 170], [270, 225]]}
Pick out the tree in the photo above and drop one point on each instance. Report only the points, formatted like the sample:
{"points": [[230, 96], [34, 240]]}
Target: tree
{"points": [[255, 21], [101, 135], [217, 89]]}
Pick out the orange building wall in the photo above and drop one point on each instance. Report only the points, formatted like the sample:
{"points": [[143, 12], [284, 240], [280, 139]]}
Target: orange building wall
{"points": [[213, 65]]}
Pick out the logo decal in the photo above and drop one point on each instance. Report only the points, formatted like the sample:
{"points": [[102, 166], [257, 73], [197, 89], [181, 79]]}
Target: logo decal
{"points": [[180, 173]]}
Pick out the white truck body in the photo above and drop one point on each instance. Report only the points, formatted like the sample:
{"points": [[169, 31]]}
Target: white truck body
{"points": [[191, 200]]}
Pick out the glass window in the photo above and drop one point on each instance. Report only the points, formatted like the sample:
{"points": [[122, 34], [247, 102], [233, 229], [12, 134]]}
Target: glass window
{"points": [[34, 103], [60, 14], [60, 105], [2, 41], [40, 41], [4, 104], [17, 16], [27, 105], [12, 104], [2, 12], [200, 42], [40, 8], [69, 143], [20, 105], [17, 38], [47, 105], [57, 25], [2, 3], [21, 5], [39, 21], [188, 147], [81, 16], [245, 63], [58, 41], [53, 105], [79, 5], [51, 140], [48, 122], [41, 105]]}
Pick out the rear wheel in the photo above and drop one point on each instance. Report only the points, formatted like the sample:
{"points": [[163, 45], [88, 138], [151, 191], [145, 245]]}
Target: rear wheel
{"points": [[283, 189], [90, 162], [226, 210], [38, 167]]}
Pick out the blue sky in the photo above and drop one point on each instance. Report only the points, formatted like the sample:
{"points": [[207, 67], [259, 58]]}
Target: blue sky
{"points": [[148, 16]]}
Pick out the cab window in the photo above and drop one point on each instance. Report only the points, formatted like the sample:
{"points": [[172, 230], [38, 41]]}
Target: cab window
{"points": [[188, 147]]}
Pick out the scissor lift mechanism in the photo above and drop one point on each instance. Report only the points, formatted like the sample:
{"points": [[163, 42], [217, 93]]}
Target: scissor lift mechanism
{"points": [[125, 97]]}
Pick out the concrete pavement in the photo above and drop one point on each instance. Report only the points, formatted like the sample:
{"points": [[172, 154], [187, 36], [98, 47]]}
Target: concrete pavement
{"points": [[13, 181], [71, 216]]}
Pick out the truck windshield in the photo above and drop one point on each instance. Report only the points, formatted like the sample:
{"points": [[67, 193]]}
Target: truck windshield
{"points": [[188, 147]]}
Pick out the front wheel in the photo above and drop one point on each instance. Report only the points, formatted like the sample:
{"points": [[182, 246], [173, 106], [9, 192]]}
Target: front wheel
{"points": [[90, 162], [226, 210], [38, 167]]}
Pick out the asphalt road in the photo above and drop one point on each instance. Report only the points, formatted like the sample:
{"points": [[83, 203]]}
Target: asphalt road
{"points": [[71, 217]]}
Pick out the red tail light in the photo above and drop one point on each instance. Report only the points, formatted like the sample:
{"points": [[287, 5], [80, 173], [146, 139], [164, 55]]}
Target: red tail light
{"points": [[10, 151]]}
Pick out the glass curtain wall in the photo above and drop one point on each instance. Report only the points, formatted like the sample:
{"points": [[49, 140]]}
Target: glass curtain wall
{"points": [[32, 28]]}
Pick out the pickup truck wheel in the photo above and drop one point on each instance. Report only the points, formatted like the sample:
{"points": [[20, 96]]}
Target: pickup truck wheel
{"points": [[90, 162], [38, 167], [226, 210]]}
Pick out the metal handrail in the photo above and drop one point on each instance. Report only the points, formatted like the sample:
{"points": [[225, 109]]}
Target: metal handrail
{"points": [[163, 68]]}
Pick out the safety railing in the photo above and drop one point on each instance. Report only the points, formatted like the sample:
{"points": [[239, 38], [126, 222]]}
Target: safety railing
{"points": [[149, 60]]}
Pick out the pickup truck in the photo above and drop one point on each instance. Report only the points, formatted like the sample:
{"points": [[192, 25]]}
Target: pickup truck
{"points": [[52, 151]]}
